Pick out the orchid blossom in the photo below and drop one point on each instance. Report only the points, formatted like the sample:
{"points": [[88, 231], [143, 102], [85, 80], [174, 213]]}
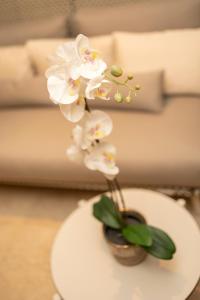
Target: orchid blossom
{"points": [[102, 158], [77, 75], [74, 152], [91, 64], [98, 88], [97, 125], [75, 111], [61, 87]]}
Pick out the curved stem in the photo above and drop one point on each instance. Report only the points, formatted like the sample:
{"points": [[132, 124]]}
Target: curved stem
{"points": [[113, 185], [121, 194], [86, 105], [112, 192], [120, 83]]}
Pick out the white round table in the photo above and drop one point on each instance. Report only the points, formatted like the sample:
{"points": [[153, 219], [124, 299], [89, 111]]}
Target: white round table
{"points": [[83, 268]]}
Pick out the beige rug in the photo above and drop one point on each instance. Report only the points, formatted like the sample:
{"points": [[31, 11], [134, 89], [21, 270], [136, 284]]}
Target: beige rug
{"points": [[25, 246]]}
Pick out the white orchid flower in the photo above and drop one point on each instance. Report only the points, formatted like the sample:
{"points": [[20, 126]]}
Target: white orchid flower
{"points": [[102, 158], [75, 152], [97, 125], [94, 126], [61, 87], [79, 59], [91, 64], [66, 52], [66, 57], [98, 88], [80, 137], [75, 111]]}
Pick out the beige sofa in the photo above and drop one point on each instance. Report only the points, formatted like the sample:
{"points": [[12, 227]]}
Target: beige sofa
{"points": [[157, 137], [154, 148]]}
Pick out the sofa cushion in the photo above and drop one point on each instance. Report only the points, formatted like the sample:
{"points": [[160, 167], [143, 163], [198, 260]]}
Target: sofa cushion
{"points": [[40, 50], [20, 32], [14, 63], [177, 52], [137, 16], [21, 20], [161, 149], [30, 91], [33, 91], [149, 98], [15, 76]]}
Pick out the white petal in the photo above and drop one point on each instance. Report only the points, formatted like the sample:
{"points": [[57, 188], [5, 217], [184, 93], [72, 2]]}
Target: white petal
{"points": [[79, 138], [97, 125], [75, 154], [67, 52], [95, 87], [75, 71], [56, 70], [56, 87], [82, 42], [90, 94], [90, 162], [92, 85], [58, 91], [94, 69], [75, 111], [96, 159]]}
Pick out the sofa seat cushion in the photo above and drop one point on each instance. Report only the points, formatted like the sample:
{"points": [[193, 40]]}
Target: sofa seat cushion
{"points": [[161, 149]]}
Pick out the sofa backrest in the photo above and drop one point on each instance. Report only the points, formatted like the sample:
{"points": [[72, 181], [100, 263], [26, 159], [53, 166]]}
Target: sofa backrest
{"points": [[22, 20], [91, 18], [175, 54]]}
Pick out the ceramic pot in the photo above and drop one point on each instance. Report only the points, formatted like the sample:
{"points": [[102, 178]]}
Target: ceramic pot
{"points": [[125, 253]]}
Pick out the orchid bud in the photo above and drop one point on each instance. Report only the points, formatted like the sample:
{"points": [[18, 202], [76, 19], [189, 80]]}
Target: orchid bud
{"points": [[118, 97], [137, 87], [130, 76], [116, 71], [128, 99]]}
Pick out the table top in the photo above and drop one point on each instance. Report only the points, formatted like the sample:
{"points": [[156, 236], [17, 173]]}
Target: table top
{"points": [[83, 268]]}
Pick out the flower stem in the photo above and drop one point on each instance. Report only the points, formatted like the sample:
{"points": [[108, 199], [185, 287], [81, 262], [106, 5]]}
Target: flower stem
{"points": [[113, 185], [112, 192], [120, 193], [120, 83], [86, 105]]}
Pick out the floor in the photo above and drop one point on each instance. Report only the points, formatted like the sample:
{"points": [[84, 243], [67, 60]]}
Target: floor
{"points": [[40, 202], [53, 203], [57, 205]]}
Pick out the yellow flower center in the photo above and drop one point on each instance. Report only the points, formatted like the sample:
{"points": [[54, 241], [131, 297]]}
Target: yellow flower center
{"points": [[79, 100], [72, 86], [97, 132], [89, 55], [101, 92], [109, 159]]}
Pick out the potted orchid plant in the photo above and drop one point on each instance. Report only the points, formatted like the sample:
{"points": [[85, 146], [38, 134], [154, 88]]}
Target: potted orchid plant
{"points": [[77, 76]]}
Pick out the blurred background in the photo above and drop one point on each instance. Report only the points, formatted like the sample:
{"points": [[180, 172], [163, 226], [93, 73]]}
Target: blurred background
{"points": [[157, 135], [27, 19], [156, 40]]}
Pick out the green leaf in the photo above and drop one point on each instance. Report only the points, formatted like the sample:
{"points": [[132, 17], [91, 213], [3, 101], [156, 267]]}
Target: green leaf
{"points": [[162, 247], [106, 211], [138, 234]]}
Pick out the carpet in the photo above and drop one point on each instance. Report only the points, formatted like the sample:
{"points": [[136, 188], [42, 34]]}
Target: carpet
{"points": [[25, 248]]}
